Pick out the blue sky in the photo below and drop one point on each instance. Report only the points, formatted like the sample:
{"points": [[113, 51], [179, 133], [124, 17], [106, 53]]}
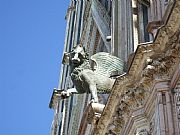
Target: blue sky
{"points": [[31, 43]]}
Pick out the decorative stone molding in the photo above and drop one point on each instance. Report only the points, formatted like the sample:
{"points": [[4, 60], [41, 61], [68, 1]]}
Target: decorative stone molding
{"points": [[152, 62], [131, 99], [177, 103], [161, 66], [151, 127], [142, 132]]}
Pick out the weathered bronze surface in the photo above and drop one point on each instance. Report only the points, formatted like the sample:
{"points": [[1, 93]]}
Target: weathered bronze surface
{"points": [[95, 79]]}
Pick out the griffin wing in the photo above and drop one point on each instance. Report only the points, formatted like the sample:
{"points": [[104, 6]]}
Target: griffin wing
{"points": [[106, 63]]}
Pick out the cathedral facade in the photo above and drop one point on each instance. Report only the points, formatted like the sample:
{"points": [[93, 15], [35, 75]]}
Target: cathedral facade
{"points": [[145, 97]]}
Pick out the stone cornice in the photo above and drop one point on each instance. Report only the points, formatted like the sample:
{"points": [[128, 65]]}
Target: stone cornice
{"points": [[152, 61]]}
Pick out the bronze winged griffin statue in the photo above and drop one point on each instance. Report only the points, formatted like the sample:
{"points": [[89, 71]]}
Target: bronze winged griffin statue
{"points": [[91, 79]]}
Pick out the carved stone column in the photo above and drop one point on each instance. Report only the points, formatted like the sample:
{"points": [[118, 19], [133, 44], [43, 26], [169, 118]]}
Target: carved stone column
{"points": [[102, 20], [176, 95], [163, 109], [122, 39]]}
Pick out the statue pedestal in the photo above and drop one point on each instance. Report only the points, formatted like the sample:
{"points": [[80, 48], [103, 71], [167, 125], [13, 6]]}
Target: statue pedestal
{"points": [[94, 113], [91, 116]]}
